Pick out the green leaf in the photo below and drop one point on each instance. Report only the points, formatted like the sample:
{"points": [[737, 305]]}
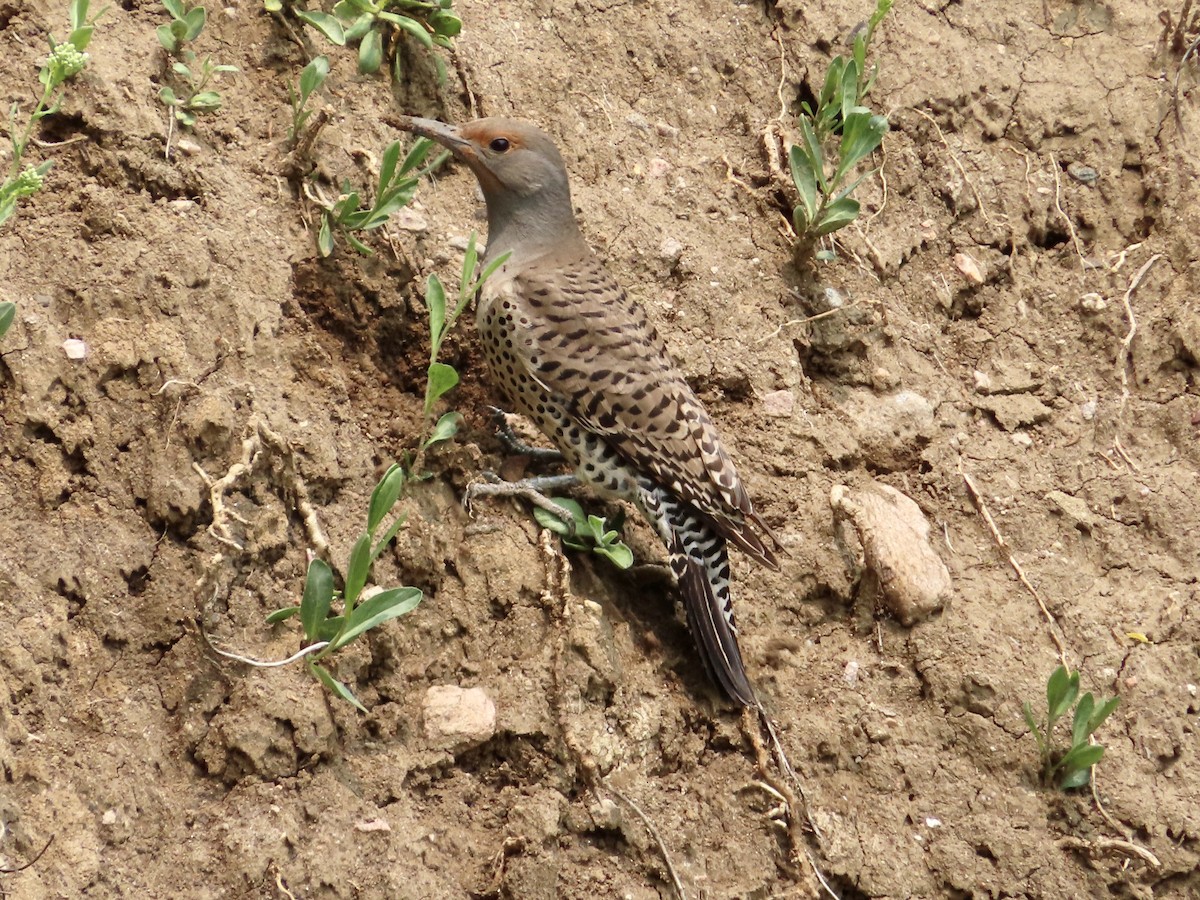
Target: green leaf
{"points": [[327, 631], [205, 101], [376, 610], [549, 520], [849, 89], [385, 495], [273, 6], [441, 378], [81, 37], [1083, 715], [336, 686], [78, 14], [1075, 779], [318, 595], [370, 52], [358, 30], [1061, 690], [392, 531], [175, 8], [281, 615], [416, 154], [195, 23], [447, 426], [359, 569], [1027, 711], [325, 236], [8, 312], [618, 554], [1105, 710], [862, 136], [387, 165], [1082, 757], [413, 27], [359, 245], [313, 75], [806, 186], [326, 24], [446, 24], [816, 159], [167, 38], [837, 215], [435, 302]]}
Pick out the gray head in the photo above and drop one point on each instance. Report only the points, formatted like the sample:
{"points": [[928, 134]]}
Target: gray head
{"points": [[523, 177]]}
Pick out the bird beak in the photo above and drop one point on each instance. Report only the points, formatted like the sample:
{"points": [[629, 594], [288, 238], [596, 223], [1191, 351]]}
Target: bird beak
{"points": [[446, 135]]}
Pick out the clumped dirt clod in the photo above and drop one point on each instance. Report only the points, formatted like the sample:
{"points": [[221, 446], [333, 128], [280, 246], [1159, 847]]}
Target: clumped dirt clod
{"points": [[1012, 329]]}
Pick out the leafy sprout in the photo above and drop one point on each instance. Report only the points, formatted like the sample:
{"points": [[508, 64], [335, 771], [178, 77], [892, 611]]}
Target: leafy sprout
{"points": [[395, 187], [361, 611], [1072, 767], [312, 77], [377, 26], [587, 532], [65, 61], [837, 133]]}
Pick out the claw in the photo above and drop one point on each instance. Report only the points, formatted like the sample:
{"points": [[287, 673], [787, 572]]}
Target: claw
{"points": [[530, 489], [516, 445]]}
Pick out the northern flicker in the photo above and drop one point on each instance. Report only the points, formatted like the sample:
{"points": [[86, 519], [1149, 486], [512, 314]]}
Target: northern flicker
{"points": [[574, 353]]}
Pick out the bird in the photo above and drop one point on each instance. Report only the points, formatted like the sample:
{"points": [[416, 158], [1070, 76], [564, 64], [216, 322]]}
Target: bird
{"points": [[573, 352]]}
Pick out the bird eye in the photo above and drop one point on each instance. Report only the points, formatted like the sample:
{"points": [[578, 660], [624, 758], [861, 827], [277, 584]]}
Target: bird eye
{"points": [[499, 144]]}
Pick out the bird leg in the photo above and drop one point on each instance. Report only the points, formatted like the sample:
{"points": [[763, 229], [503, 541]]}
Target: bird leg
{"points": [[518, 447], [532, 489]]}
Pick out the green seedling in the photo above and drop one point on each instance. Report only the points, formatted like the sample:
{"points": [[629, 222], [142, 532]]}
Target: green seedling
{"points": [[361, 612], [441, 377], [191, 96], [66, 60], [837, 134], [1070, 768], [395, 188], [195, 97], [312, 77], [377, 26], [587, 532], [8, 312], [185, 25]]}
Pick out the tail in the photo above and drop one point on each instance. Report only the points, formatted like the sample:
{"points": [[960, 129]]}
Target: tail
{"points": [[700, 560]]}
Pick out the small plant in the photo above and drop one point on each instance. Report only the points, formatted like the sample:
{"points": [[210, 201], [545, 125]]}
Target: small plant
{"points": [[65, 61], [1072, 768], [587, 532], [396, 186], [8, 312], [324, 629], [185, 26], [378, 25], [360, 611], [837, 134], [312, 77], [440, 376], [191, 96]]}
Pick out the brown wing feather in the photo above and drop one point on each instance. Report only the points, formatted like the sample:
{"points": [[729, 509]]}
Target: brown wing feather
{"points": [[588, 342]]}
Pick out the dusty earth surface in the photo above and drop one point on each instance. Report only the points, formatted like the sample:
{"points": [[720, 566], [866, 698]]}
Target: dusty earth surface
{"points": [[984, 330]]}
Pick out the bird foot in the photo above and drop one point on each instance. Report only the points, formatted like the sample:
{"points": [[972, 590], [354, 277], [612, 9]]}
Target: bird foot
{"points": [[532, 490], [518, 447]]}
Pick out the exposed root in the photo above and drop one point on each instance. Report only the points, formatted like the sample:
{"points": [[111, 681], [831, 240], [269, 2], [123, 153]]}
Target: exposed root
{"points": [[1126, 359], [24, 866], [981, 505], [1110, 847], [1062, 213], [953, 157]]}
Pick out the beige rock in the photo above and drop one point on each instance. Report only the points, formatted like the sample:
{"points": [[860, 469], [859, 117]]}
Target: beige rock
{"points": [[912, 580], [458, 717]]}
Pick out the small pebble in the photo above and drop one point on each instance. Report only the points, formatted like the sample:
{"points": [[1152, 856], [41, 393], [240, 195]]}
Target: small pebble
{"points": [[1083, 174], [970, 269], [1092, 302], [75, 348], [658, 168]]}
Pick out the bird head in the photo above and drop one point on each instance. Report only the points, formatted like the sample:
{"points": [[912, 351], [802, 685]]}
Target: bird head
{"points": [[520, 170]]}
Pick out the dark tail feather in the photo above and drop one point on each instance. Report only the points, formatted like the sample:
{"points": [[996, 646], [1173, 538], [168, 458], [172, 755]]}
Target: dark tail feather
{"points": [[703, 572]]}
